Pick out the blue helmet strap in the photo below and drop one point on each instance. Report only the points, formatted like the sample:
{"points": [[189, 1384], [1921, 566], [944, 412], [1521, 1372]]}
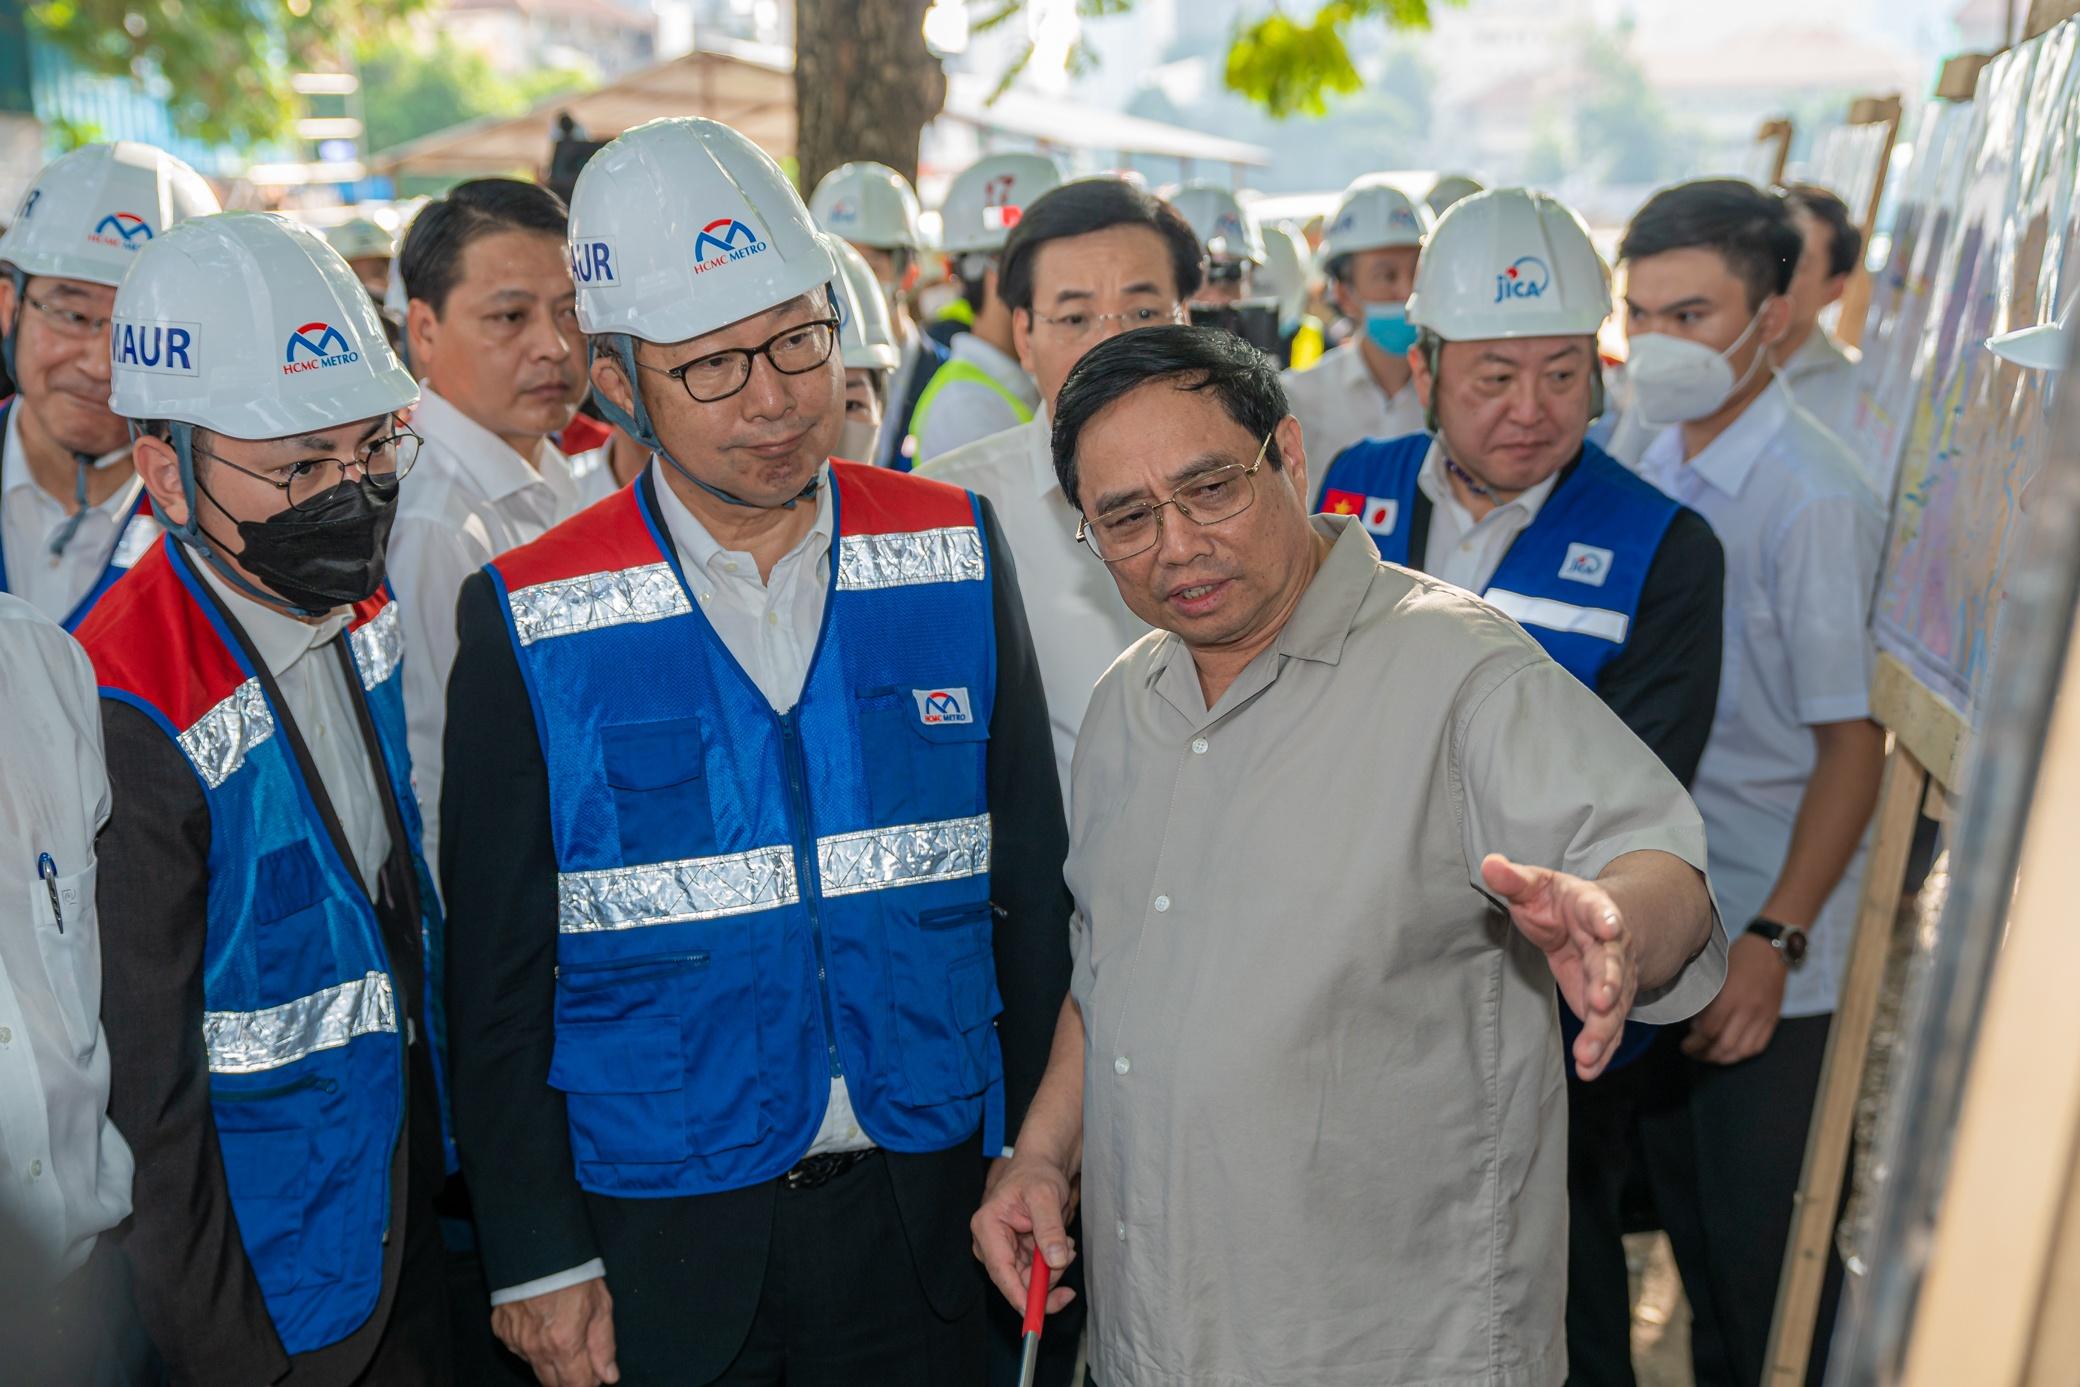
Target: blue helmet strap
{"points": [[638, 425], [192, 534]]}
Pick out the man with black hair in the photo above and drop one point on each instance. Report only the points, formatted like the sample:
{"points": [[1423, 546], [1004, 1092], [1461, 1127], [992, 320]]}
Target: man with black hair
{"points": [[982, 389], [1790, 773], [1310, 1067], [1819, 369], [1088, 261], [495, 342]]}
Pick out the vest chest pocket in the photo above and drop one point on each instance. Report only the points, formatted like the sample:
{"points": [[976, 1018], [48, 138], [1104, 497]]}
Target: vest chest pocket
{"points": [[919, 771], [656, 774], [658, 1058]]}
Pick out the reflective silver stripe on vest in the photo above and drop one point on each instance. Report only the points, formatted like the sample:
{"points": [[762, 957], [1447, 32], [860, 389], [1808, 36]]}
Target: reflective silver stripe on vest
{"points": [[218, 742], [377, 645], [879, 858], [595, 600], [136, 541], [1526, 610], [248, 1042], [952, 555], [664, 893]]}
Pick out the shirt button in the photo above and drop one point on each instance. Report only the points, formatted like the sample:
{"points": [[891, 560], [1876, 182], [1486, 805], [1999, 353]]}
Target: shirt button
{"points": [[1123, 1232], [35, 1169], [6, 1035], [730, 566], [1162, 904], [772, 618], [1199, 745], [1120, 1065]]}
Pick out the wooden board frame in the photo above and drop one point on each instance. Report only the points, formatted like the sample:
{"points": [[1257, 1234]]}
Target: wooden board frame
{"points": [[1856, 295], [1780, 130]]}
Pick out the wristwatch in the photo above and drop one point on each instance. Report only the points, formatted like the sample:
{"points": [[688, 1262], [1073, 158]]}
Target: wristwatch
{"points": [[1788, 940]]}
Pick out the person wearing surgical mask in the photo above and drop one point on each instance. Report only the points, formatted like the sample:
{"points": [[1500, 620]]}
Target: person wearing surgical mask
{"points": [[1790, 773], [1363, 388]]}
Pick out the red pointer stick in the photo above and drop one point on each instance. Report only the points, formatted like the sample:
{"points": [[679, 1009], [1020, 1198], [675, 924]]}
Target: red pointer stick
{"points": [[1036, 1318]]}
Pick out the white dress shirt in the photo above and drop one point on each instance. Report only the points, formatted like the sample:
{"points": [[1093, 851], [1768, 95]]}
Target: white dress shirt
{"points": [[1461, 550], [1802, 534], [1080, 624], [64, 1169], [1822, 376], [964, 410], [469, 498], [30, 518], [1338, 403], [313, 685]]}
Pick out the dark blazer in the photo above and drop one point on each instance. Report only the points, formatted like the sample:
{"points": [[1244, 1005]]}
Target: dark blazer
{"points": [[1664, 684], [195, 1289], [685, 1273]]}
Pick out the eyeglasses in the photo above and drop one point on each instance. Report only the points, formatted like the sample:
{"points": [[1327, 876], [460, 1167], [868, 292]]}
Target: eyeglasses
{"points": [[68, 322], [1074, 327], [1206, 499], [717, 375], [1224, 271], [384, 461]]}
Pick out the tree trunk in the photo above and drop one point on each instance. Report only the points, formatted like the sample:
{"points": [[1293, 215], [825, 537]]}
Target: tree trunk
{"points": [[865, 85]]}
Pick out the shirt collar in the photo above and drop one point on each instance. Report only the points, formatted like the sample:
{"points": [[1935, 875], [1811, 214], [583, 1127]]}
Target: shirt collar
{"points": [[279, 639], [1819, 352], [998, 366], [699, 550], [483, 456], [1728, 459], [1355, 375], [1040, 452], [1437, 486]]}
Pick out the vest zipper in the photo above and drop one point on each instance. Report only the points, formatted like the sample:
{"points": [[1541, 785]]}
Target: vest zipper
{"points": [[805, 873]]}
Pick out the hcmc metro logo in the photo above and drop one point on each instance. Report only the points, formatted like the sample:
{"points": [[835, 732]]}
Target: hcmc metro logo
{"points": [[937, 707], [121, 230], [322, 345], [1526, 279], [723, 240]]}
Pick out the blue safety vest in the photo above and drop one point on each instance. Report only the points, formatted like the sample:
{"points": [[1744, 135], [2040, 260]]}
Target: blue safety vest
{"points": [[1573, 579], [301, 1020], [751, 903], [133, 542]]}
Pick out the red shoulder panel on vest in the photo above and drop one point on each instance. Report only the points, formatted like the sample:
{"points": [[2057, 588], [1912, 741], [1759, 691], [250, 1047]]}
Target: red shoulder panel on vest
{"points": [[366, 610], [148, 637], [599, 539], [876, 501]]}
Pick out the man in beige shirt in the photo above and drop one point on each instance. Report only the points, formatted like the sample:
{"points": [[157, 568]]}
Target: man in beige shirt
{"points": [[1337, 830]]}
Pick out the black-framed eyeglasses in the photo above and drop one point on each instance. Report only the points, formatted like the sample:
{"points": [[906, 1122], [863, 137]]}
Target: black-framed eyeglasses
{"points": [[68, 322], [384, 461], [1207, 499], [717, 375]]}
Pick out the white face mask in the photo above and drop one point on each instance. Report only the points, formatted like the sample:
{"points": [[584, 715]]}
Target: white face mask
{"points": [[856, 441], [1674, 380]]}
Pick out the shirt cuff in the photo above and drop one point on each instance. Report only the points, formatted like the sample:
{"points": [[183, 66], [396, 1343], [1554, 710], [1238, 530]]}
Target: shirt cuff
{"points": [[543, 1285]]}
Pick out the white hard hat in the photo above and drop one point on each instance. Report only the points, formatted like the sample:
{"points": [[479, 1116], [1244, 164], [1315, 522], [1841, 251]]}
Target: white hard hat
{"points": [[865, 337], [248, 324], [1449, 189], [989, 196], [1285, 271], [90, 212], [1510, 263], [2042, 347], [683, 226], [360, 238], [1374, 215], [868, 204], [1224, 228]]}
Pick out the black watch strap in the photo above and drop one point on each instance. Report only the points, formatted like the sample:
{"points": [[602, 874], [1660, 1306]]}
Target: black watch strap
{"points": [[1788, 940]]}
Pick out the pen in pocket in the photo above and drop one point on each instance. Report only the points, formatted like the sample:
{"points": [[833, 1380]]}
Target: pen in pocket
{"points": [[48, 870]]}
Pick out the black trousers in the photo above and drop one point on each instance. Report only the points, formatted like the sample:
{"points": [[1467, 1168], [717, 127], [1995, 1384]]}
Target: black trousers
{"points": [[1721, 1148], [842, 1305]]}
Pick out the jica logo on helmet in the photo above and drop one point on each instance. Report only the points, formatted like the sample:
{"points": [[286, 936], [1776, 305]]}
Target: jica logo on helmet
{"points": [[315, 346], [121, 231], [1526, 279], [723, 240]]}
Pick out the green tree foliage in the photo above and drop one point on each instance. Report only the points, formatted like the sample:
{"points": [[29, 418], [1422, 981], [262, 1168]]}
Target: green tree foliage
{"points": [[223, 66], [1291, 67], [414, 89]]}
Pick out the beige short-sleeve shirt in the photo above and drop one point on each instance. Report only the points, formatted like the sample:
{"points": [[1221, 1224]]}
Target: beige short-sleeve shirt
{"points": [[1325, 1115]]}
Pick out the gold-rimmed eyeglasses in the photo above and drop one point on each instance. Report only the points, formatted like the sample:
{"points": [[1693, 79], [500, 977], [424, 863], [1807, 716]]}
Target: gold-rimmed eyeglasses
{"points": [[1221, 493]]}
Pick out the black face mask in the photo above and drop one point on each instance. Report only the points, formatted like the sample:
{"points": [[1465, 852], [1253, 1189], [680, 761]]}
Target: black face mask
{"points": [[330, 553]]}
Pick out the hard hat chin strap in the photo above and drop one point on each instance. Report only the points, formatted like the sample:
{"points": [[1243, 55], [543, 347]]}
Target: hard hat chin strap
{"points": [[191, 532], [638, 425]]}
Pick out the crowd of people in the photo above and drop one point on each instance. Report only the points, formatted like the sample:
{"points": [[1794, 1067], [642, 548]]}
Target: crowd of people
{"points": [[600, 796]]}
